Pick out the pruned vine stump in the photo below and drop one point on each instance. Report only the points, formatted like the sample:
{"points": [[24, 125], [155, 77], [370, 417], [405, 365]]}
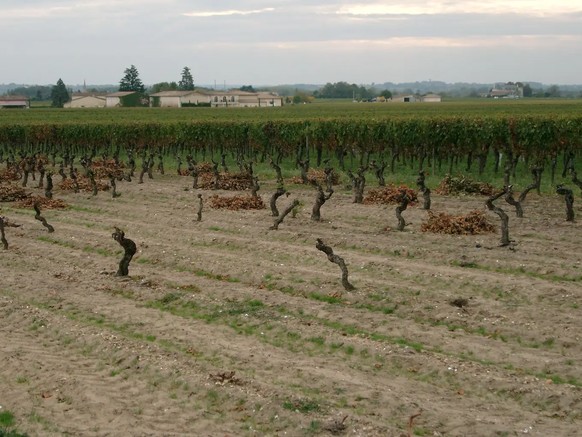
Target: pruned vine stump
{"points": [[336, 259], [569, 198], [505, 241], [129, 248]]}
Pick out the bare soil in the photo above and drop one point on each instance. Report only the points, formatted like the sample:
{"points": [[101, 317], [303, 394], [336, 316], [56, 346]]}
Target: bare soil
{"points": [[226, 328]]}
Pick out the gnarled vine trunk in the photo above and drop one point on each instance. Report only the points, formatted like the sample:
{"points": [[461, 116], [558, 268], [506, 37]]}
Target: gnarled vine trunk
{"points": [[320, 199], [255, 186], [113, 184], [336, 259], [304, 168], [379, 171], [403, 198], [273, 203], [502, 215], [200, 204], [423, 189], [287, 210], [3, 224], [41, 219], [48, 191], [511, 200], [358, 184], [277, 168], [2, 234], [129, 248], [569, 198]]}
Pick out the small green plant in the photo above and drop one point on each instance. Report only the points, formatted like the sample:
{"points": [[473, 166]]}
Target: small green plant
{"points": [[320, 341], [212, 397], [170, 297], [302, 405], [314, 427], [291, 335], [6, 419], [325, 298], [296, 209]]}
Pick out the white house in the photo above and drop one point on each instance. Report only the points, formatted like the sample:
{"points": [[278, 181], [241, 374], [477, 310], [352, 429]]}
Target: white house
{"points": [[177, 99]]}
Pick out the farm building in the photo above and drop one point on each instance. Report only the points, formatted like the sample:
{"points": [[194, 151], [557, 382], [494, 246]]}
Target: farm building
{"points": [[177, 99], [245, 99], [269, 99], [87, 100], [506, 91], [114, 100], [14, 102], [406, 98], [216, 99], [431, 98]]}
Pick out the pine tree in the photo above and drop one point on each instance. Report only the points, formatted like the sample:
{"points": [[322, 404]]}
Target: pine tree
{"points": [[131, 81], [59, 94], [187, 81]]}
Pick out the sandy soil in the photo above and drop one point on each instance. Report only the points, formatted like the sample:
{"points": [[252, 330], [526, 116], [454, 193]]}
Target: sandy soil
{"points": [[227, 328]]}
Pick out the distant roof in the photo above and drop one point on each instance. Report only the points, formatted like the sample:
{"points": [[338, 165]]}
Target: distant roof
{"points": [[176, 93], [496, 92], [231, 93], [88, 94], [121, 94], [265, 95]]}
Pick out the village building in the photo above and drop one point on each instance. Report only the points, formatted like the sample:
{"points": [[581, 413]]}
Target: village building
{"points": [[179, 99], [405, 98], [245, 99], [216, 99], [87, 100], [506, 91], [431, 98], [114, 100], [14, 102]]}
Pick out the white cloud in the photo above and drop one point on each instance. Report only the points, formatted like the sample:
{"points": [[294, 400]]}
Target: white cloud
{"points": [[290, 40], [227, 13], [497, 7], [395, 43], [35, 12]]}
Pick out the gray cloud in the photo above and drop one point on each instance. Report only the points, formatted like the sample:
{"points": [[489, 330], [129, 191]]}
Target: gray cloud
{"points": [[271, 42]]}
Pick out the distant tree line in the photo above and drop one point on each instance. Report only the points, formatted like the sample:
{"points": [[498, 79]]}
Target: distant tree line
{"points": [[34, 92], [344, 90], [59, 94]]}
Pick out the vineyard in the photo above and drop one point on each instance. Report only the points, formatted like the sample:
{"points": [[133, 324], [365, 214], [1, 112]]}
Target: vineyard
{"points": [[312, 271]]}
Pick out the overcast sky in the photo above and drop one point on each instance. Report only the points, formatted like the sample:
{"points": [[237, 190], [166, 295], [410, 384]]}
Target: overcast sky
{"points": [[270, 42]]}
